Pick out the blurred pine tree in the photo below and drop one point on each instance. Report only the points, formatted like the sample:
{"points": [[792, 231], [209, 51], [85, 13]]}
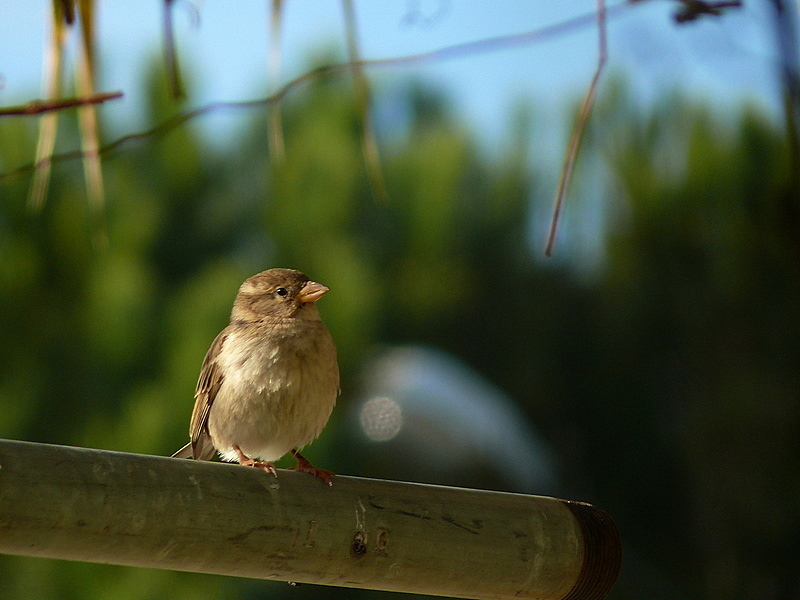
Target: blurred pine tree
{"points": [[666, 380]]}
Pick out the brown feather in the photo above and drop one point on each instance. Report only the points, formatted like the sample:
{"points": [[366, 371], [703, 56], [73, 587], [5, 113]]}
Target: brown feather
{"points": [[269, 380], [208, 385]]}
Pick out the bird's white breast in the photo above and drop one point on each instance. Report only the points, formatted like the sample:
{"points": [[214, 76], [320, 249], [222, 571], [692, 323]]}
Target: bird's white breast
{"points": [[278, 389]]}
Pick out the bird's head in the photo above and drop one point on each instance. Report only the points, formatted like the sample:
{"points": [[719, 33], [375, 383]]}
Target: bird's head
{"points": [[281, 293]]}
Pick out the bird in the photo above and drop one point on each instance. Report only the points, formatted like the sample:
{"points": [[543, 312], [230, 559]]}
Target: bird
{"points": [[269, 380]]}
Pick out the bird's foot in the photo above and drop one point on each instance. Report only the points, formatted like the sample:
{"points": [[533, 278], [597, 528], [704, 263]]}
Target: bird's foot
{"points": [[303, 466], [259, 464]]}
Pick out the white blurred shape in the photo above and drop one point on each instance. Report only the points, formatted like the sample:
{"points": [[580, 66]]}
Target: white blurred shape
{"points": [[381, 418], [436, 409]]}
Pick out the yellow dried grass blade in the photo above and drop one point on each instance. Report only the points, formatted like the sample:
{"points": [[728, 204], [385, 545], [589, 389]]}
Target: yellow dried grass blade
{"points": [[171, 53], [48, 122], [276, 144], [87, 116], [369, 142]]}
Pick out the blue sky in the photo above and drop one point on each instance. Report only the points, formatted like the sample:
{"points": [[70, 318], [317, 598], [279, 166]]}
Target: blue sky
{"points": [[224, 45], [725, 60]]}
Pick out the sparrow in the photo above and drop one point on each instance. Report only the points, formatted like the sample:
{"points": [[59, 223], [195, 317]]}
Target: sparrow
{"points": [[270, 379]]}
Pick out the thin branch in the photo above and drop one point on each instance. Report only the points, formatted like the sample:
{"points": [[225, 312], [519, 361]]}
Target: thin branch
{"points": [[492, 44], [580, 128], [37, 107], [448, 53], [694, 9]]}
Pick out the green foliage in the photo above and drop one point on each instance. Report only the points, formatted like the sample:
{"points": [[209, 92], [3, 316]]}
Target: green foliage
{"points": [[666, 380], [703, 288]]}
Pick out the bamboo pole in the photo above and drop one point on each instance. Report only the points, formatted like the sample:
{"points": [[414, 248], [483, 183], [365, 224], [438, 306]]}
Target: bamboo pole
{"points": [[146, 511]]}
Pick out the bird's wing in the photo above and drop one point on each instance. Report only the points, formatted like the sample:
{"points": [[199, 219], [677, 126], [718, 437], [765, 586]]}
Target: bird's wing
{"points": [[207, 387]]}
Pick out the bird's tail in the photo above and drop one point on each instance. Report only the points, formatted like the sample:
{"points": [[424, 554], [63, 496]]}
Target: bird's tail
{"points": [[185, 452]]}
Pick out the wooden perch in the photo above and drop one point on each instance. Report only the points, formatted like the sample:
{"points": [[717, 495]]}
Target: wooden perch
{"points": [[165, 513]]}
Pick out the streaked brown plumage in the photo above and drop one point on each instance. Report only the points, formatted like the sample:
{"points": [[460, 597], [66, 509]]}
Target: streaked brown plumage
{"points": [[270, 379]]}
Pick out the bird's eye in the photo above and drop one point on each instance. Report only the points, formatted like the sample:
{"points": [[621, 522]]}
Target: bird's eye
{"points": [[281, 291]]}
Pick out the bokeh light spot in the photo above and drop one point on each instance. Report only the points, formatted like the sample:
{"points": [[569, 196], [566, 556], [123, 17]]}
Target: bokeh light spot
{"points": [[381, 419]]}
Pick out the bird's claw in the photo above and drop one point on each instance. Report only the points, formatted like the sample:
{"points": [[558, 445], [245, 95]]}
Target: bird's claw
{"points": [[266, 466], [304, 466]]}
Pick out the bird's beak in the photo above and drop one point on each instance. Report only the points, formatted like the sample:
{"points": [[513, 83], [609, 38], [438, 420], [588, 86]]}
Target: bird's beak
{"points": [[311, 292]]}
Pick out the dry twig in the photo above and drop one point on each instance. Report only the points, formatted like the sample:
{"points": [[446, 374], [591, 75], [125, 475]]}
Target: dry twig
{"points": [[37, 107], [580, 128], [447, 53]]}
